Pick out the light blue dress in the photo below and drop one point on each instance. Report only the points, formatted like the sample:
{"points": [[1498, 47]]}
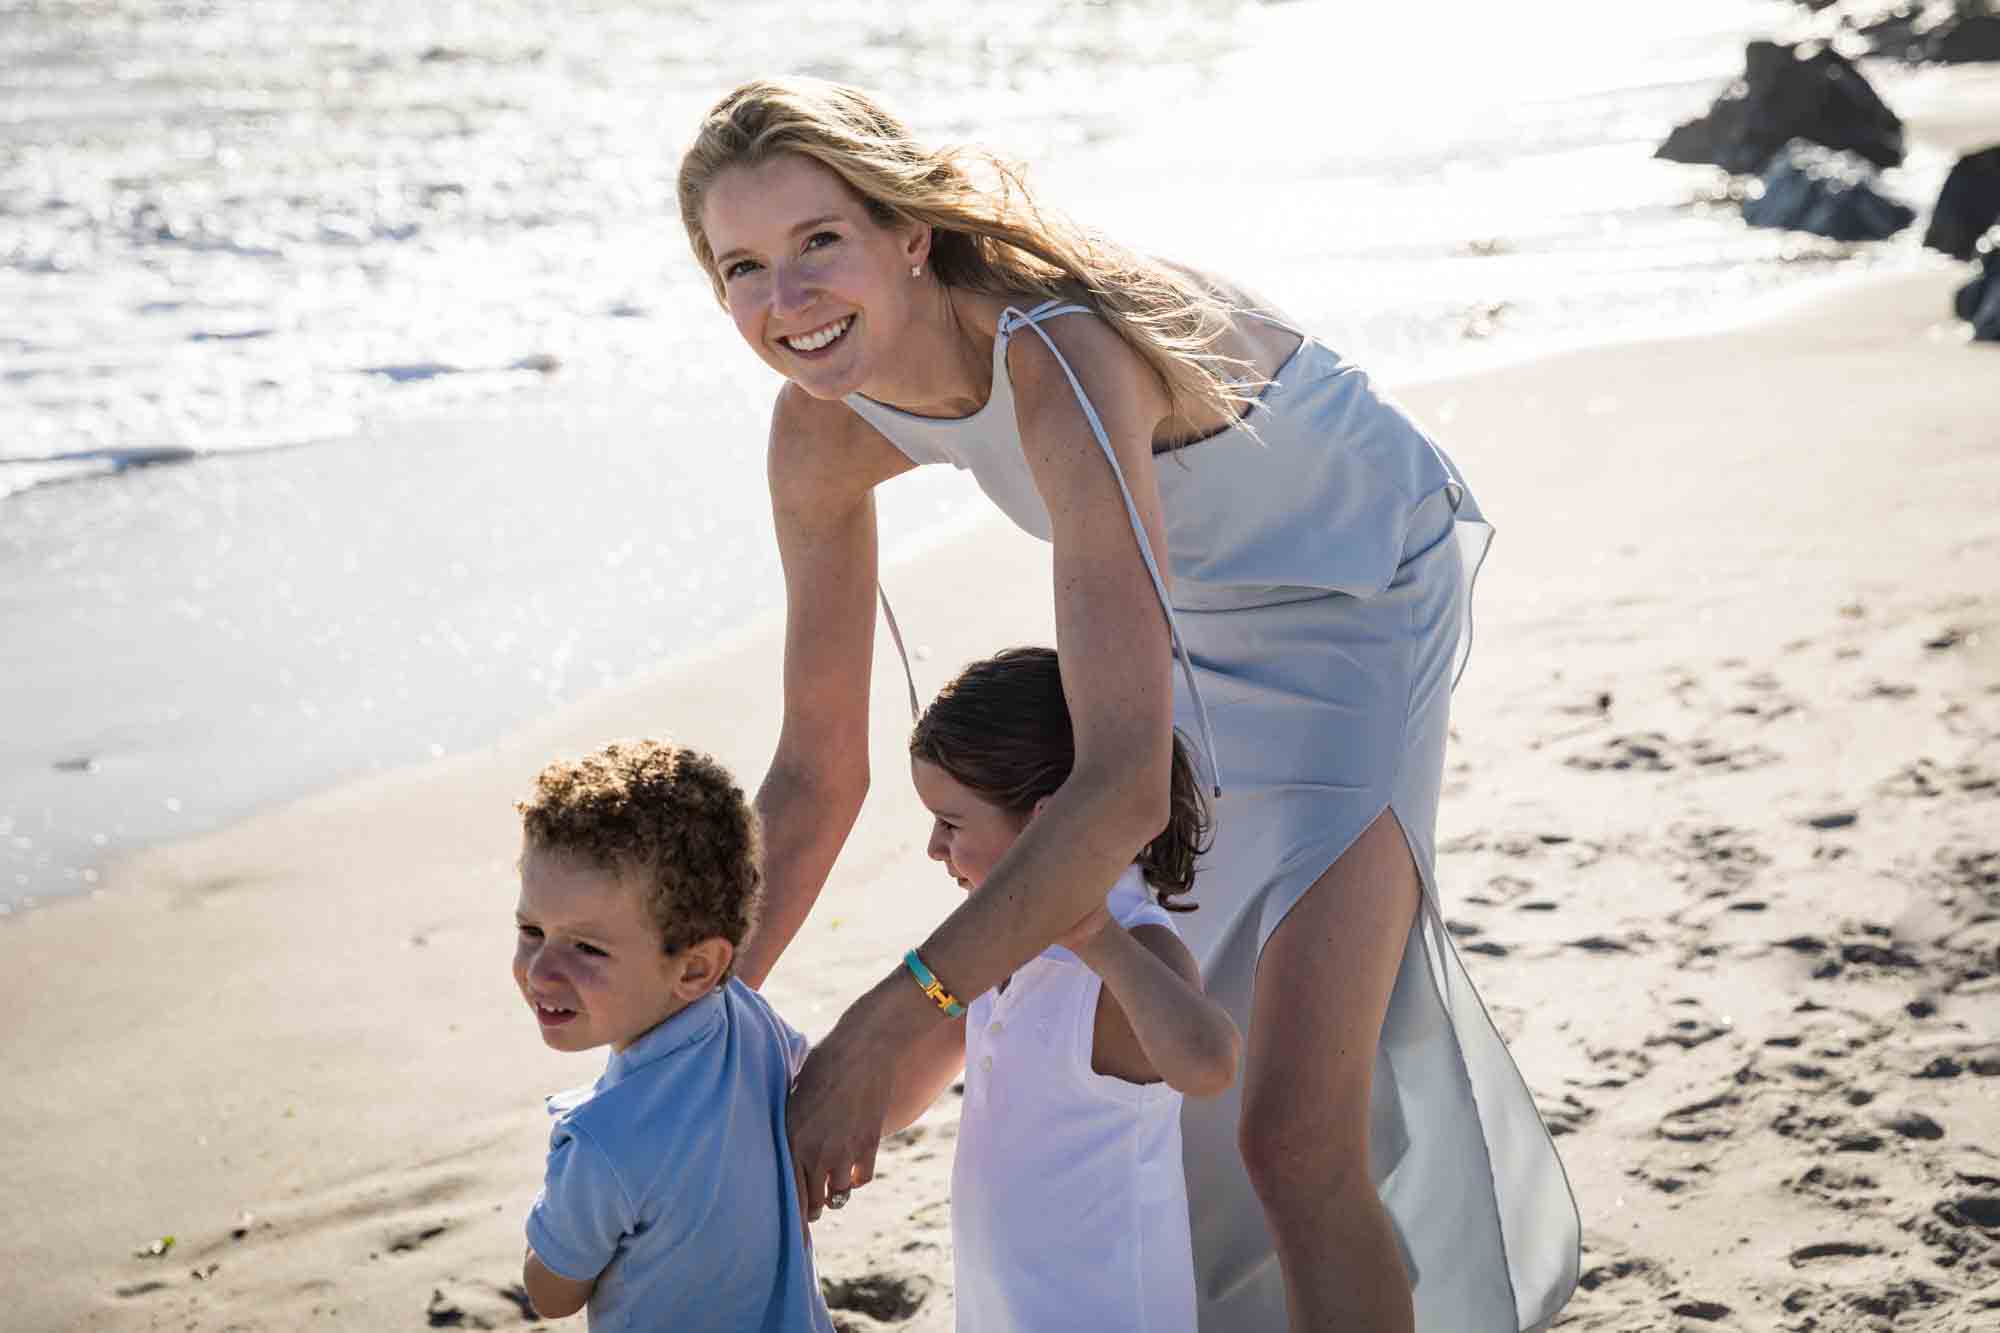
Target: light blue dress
{"points": [[1322, 569]]}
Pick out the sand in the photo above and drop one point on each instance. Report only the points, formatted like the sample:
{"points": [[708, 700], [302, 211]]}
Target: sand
{"points": [[1721, 839]]}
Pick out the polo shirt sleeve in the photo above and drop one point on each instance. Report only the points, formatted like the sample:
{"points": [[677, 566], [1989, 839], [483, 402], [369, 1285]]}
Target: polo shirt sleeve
{"points": [[796, 1045], [582, 1212]]}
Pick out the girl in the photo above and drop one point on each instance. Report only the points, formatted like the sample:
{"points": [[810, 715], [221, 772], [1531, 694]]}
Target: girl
{"points": [[1068, 1204]]}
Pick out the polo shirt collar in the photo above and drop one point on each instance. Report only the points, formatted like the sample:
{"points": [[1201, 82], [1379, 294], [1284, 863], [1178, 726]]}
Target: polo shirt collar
{"points": [[686, 1028]]}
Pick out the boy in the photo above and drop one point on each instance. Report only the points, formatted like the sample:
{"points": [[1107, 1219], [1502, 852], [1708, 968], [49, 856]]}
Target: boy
{"points": [[669, 1200]]}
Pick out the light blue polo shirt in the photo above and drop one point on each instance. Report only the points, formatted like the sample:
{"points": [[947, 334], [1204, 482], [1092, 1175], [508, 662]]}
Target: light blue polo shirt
{"points": [[670, 1179]]}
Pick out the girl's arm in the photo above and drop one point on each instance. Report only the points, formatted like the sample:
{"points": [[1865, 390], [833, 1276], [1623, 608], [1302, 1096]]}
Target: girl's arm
{"points": [[1116, 664], [1154, 1021], [824, 464]]}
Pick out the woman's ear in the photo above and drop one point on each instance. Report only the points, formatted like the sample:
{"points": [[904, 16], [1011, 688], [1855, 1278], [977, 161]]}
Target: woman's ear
{"points": [[917, 246], [701, 967], [1036, 808]]}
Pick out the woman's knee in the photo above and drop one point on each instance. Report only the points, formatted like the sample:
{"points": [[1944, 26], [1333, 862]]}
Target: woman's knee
{"points": [[1293, 1150]]}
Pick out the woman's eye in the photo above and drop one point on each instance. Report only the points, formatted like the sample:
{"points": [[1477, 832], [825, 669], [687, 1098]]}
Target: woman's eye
{"points": [[821, 239], [529, 932], [590, 949], [737, 268]]}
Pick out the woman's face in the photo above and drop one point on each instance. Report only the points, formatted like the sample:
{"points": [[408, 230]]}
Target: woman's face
{"points": [[816, 287], [969, 833]]}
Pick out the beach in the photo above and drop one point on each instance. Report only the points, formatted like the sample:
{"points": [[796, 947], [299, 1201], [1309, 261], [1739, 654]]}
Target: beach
{"points": [[1720, 837], [1717, 841]]}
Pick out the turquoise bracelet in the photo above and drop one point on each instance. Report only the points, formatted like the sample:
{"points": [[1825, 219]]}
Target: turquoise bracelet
{"points": [[927, 981]]}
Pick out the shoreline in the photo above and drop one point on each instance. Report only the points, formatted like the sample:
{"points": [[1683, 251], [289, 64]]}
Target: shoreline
{"points": [[1695, 659], [1854, 277], [143, 771]]}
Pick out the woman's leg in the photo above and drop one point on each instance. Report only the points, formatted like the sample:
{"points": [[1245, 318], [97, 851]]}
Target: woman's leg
{"points": [[1323, 986]]}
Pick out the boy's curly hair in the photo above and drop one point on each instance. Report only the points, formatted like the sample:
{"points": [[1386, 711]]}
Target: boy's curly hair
{"points": [[673, 817]]}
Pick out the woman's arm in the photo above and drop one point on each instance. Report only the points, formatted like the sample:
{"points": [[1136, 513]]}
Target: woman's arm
{"points": [[1154, 1021], [824, 464], [924, 1071], [1116, 663]]}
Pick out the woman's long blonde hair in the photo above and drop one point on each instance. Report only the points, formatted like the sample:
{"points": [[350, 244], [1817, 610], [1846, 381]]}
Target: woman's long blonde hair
{"points": [[992, 238]]}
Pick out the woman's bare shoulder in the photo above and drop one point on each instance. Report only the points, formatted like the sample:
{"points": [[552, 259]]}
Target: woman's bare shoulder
{"points": [[820, 448], [1116, 378]]}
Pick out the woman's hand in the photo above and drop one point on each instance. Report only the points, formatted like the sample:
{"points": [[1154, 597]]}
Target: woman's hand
{"points": [[841, 1098]]}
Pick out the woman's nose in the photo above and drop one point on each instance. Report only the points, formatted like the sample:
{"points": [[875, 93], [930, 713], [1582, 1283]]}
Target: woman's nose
{"points": [[939, 848], [789, 290]]}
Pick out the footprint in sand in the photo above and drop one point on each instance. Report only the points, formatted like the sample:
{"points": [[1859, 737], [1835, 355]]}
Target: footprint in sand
{"points": [[1725, 856], [1926, 779], [1566, 1116], [1705, 1311], [1848, 1191], [883, 1298], [1655, 752], [1688, 1033], [1621, 1293], [1615, 1067], [1699, 1121]]}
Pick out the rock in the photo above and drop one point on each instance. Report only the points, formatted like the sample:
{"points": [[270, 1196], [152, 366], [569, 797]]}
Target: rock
{"points": [[1810, 188], [1789, 92], [1968, 204], [1978, 301], [1964, 40]]}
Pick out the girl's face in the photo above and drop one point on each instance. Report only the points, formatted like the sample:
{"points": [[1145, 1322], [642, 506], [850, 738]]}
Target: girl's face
{"points": [[969, 833], [816, 286]]}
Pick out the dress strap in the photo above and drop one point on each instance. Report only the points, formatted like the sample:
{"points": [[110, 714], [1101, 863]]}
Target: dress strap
{"points": [[1048, 309], [1011, 319], [896, 633]]}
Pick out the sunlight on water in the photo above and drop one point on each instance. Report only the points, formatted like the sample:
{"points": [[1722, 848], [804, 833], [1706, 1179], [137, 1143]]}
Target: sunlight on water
{"points": [[470, 438]]}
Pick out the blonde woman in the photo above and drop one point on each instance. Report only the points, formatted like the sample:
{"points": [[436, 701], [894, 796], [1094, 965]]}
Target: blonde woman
{"points": [[1247, 540]]}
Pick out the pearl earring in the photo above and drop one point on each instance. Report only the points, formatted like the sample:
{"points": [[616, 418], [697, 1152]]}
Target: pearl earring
{"points": [[916, 270]]}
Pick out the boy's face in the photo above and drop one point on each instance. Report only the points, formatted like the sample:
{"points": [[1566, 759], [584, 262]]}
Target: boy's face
{"points": [[587, 955], [968, 832]]}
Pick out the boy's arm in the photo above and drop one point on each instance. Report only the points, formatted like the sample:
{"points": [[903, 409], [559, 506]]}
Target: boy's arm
{"points": [[552, 1294], [575, 1223], [1154, 1022]]}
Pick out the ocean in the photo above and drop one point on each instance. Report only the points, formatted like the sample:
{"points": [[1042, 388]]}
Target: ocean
{"points": [[359, 399]]}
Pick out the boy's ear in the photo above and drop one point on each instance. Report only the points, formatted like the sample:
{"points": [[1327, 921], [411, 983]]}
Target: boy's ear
{"points": [[702, 965]]}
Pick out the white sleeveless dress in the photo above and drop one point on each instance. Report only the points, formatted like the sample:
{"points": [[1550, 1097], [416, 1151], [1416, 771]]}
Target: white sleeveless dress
{"points": [[1068, 1201], [1320, 609]]}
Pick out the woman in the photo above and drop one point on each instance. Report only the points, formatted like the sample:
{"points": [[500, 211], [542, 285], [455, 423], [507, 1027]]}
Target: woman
{"points": [[1380, 1166]]}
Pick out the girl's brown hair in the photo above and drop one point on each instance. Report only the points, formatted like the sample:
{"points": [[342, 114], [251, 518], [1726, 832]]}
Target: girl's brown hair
{"points": [[991, 237], [1002, 729]]}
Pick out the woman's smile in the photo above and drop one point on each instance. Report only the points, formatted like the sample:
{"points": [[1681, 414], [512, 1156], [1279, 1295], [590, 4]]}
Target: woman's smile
{"points": [[819, 339]]}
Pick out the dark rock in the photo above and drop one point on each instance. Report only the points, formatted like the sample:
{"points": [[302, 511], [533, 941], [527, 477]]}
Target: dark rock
{"points": [[1978, 301], [1810, 188], [1967, 206], [1962, 41], [1789, 93]]}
